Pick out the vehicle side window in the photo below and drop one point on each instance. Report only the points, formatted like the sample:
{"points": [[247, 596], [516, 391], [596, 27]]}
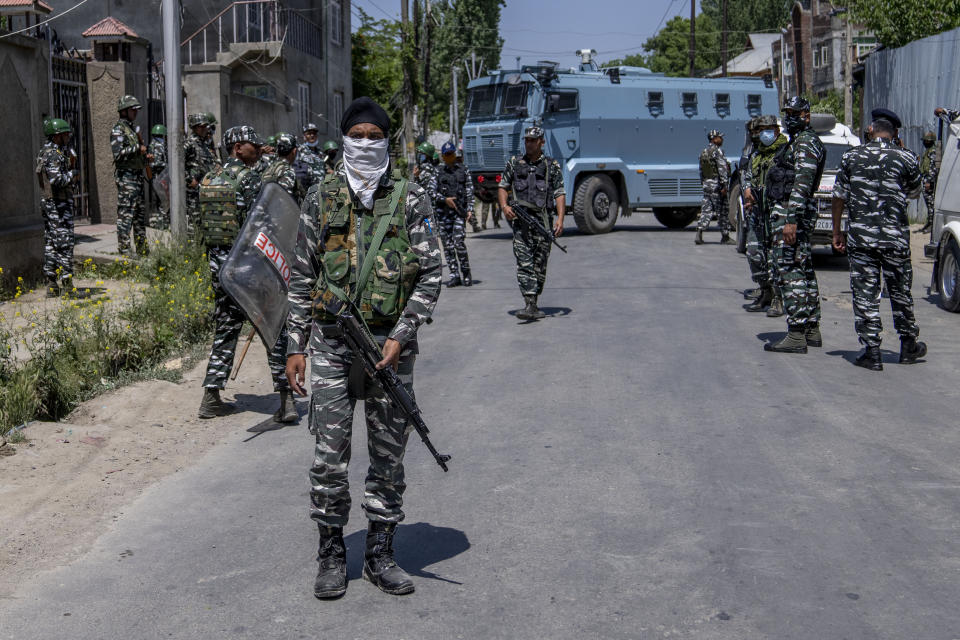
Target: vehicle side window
{"points": [[655, 103], [688, 102], [722, 104], [562, 101], [754, 104]]}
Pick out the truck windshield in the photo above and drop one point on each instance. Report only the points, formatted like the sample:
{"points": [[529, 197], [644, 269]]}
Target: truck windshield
{"points": [[481, 101], [514, 97], [834, 153]]}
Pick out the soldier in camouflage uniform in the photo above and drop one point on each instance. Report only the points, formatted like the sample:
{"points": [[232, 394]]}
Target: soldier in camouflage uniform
{"points": [[929, 169], [454, 206], [309, 165], [873, 184], [536, 181], [760, 246], [129, 160], [424, 173], [226, 195], [198, 161], [211, 121], [337, 228], [281, 169], [330, 150], [791, 183], [57, 179], [714, 176], [159, 219]]}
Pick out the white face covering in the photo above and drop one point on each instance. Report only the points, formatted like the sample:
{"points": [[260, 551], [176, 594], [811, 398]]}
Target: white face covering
{"points": [[365, 161]]}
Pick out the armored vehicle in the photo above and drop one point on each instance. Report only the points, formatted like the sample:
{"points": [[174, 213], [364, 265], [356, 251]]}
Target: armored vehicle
{"points": [[944, 246], [625, 137]]}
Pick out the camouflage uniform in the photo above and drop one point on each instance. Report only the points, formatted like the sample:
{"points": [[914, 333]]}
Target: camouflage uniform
{"points": [[714, 176], [128, 164], [332, 208], [759, 245], [56, 206], [929, 170], [453, 181], [159, 219], [540, 183], [281, 172], [794, 264], [228, 316], [874, 182], [427, 178], [198, 161], [309, 167]]}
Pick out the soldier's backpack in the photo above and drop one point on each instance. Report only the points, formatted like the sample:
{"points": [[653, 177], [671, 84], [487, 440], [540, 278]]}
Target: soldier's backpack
{"points": [[219, 219], [708, 169]]}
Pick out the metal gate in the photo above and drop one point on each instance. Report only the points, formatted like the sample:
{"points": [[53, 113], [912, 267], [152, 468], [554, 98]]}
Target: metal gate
{"points": [[68, 77]]}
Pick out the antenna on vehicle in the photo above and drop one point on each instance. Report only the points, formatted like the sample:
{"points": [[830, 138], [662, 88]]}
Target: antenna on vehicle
{"points": [[586, 59]]}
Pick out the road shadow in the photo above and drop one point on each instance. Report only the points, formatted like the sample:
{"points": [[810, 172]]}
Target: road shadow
{"points": [[771, 336], [550, 312], [80, 238], [416, 547], [266, 403], [826, 260]]}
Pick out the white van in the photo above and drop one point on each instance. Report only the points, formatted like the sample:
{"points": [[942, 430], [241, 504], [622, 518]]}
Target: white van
{"points": [[944, 244]]}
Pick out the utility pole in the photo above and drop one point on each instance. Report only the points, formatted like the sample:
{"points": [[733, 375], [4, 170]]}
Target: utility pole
{"points": [[455, 120], [723, 40], [173, 96], [407, 84], [848, 75], [693, 38], [428, 28]]}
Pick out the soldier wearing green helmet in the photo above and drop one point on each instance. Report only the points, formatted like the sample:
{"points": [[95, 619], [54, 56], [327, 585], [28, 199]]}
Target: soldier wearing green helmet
{"points": [[57, 177], [198, 160], [159, 219], [929, 169], [330, 150], [211, 121], [281, 167], [130, 158], [424, 171], [268, 152]]}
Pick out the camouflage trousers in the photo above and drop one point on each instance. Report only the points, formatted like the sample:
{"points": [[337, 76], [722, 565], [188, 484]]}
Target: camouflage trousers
{"points": [[758, 242], [192, 210], [713, 203], [928, 200], [487, 210], [130, 213], [58, 238], [453, 236], [866, 266], [532, 252], [332, 404], [159, 219], [229, 318], [796, 277]]}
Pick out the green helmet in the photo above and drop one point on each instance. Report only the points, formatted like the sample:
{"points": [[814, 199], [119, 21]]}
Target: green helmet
{"points": [[128, 102], [426, 149], [272, 140], [53, 126], [158, 130], [330, 145], [196, 119], [929, 136], [211, 119]]}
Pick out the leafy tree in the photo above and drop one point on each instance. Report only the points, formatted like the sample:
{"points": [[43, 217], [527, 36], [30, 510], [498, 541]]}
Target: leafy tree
{"points": [[376, 63], [670, 47], [633, 60], [747, 16], [897, 22]]}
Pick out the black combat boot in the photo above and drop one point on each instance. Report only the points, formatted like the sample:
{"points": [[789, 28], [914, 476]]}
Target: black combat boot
{"points": [[331, 579], [530, 311], [752, 294], [762, 302], [287, 413], [454, 280], [926, 228], [870, 359], [212, 406], [467, 280], [379, 566], [793, 342], [537, 311], [775, 310], [699, 238], [911, 349], [812, 334], [725, 238]]}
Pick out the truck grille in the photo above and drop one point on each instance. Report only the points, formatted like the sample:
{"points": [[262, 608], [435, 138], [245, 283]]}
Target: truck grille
{"points": [[491, 148], [690, 187], [471, 157], [663, 187]]}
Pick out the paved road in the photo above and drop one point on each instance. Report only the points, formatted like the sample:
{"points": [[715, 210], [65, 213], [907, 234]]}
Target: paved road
{"points": [[634, 466]]}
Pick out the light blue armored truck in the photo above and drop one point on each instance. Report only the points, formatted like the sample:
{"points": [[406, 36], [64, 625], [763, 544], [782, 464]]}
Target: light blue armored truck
{"points": [[625, 137]]}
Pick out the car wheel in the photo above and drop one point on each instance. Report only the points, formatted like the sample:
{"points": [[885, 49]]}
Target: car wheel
{"points": [[739, 218], [675, 217], [948, 277], [596, 205]]}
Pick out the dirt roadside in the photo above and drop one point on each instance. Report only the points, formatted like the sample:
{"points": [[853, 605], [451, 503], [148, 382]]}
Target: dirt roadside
{"points": [[64, 487]]}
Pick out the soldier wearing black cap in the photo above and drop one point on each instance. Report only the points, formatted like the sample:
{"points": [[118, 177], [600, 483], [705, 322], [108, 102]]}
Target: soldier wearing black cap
{"points": [[454, 208], [930, 169]]}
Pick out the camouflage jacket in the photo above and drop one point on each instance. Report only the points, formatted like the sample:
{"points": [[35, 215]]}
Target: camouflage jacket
{"points": [[805, 152], [198, 159], [283, 174], [714, 155], [930, 164], [248, 188], [125, 146], [754, 173], [450, 173], [54, 173], [554, 177], [427, 179], [874, 182], [422, 232], [158, 148], [309, 167]]}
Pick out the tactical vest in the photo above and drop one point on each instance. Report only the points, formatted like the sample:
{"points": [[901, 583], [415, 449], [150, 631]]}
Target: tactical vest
{"points": [[59, 194], [452, 184], [530, 183], [928, 159], [783, 173], [708, 167], [130, 138], [219, 215], [395, 267]]}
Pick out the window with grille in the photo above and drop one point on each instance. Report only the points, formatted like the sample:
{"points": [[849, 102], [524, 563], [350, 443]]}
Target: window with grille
{"points": [[303, 95], [655, 103], [754, 104], [337, 106], [722, 104], [336, 22], [688, 102]]}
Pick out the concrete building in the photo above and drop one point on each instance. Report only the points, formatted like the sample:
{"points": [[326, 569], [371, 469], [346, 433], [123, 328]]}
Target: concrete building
{"points": [[756, 59]]}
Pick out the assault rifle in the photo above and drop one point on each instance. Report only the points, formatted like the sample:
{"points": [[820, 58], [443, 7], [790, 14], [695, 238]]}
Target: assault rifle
{"points": [[365, 347], [534, 224]]}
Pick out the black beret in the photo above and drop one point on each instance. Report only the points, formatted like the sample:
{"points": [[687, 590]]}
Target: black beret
{"points": [[365, 110], [886, 114]]}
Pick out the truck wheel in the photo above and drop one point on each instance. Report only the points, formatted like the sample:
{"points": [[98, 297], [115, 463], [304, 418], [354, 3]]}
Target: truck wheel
{"points": [[948, 277], [738, 218], [675, 217], [596, 205]]}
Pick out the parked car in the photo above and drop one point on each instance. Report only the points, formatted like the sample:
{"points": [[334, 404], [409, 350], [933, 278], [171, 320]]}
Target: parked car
{"points": [[944, 244]]}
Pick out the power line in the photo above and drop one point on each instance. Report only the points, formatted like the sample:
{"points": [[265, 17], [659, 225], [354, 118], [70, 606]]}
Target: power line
{"points": [[50, 19]]}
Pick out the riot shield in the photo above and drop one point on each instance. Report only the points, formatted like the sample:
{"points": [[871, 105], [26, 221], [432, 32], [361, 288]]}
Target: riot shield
{"points": [[161, 186], [257, 271]]}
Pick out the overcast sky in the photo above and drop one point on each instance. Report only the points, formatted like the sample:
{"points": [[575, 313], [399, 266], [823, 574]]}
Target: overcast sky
{"points": [[554, 30]]}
